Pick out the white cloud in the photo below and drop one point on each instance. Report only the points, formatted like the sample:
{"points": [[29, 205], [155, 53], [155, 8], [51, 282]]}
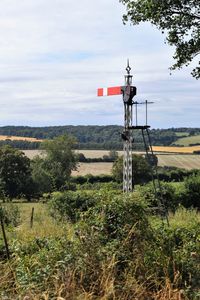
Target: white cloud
{"points": [[55, 53]]}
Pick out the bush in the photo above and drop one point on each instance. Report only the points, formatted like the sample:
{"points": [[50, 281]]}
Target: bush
{"points": [[69, 204], [161, 197], [10, 214], [192, 187]]}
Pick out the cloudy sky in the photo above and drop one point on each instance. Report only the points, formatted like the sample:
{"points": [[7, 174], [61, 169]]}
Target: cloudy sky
{"points": [[54, 54]]}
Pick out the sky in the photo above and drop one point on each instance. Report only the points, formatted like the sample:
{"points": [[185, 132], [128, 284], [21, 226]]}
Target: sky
{"points": [[54, 54]]}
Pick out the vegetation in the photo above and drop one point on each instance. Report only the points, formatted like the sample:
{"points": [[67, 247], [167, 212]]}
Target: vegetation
{"points": [[188, 141], [53, 170], [15, 173], [88, 240], [113, 249], [179, 19], [92, 137], [141, 169]]}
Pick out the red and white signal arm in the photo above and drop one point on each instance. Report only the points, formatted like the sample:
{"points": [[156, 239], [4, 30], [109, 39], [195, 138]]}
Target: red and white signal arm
{"points": [[110, 91]]}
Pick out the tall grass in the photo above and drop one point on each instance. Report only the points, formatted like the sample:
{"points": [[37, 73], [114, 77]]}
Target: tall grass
{"points": [[115, 251]]}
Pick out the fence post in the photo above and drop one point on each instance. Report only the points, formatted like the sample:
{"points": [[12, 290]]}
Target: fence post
{"points": [[32, 214], [4, 236]]}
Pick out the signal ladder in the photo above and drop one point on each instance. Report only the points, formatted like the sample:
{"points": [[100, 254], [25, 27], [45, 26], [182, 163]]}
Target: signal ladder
{"points": [[158, 192]]}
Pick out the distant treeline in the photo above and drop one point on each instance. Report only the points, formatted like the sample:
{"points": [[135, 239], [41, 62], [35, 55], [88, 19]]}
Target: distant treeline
{"points": [[93, 137]]}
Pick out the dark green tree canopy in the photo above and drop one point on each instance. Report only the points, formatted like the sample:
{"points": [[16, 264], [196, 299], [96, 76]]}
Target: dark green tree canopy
{"points": [[15, 173], [180, 19]]}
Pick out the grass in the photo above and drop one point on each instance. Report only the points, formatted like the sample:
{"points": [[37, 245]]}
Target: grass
{"points": [[187, 141], [27, 276], [43, 224], [184, 218], [180, 134]]}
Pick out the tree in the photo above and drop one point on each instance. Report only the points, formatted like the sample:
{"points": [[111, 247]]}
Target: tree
{"points": [[15, 173], [141, 169], [42, 179], [54, 168], [180, 19]]}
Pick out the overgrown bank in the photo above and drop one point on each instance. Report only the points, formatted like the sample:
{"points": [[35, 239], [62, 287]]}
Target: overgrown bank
{"points": [[102, 245]]}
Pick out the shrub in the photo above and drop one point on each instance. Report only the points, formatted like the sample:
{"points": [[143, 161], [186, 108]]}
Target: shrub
{"points": [[165, 196], [10, 214], [192, 186], [69, 204]]}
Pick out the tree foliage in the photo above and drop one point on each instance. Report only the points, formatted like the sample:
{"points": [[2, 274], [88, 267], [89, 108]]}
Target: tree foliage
{"points": [[93, 137], [15, 173], [180, 19], [141, 169], [53, 170]]}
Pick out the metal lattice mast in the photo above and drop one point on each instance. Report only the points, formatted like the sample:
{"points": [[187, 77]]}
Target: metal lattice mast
{"points": [[127, 158], [128, 91]]}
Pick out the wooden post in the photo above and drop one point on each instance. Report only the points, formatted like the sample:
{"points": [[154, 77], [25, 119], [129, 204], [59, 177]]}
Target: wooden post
{"points": [[4, 237], [32, 214]]}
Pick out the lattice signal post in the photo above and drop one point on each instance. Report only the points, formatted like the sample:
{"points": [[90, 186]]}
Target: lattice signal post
{"points": [[128, 92]]}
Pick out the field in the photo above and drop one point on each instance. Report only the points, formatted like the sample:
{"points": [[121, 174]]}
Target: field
{"points": [[186, 141], [180, 161], [93, 168], [176, 149], [180, 134], [18, 138], [186, 161], [87, 153]]}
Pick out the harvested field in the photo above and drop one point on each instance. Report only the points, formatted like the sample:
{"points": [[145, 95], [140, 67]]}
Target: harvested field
{"points": [[93, 168], [18, 138], [96, 153], [87, 153], [176, 149], [180, 161], [186, 161], [32, 153]]}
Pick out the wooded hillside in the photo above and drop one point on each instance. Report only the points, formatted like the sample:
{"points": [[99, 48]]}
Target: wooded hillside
{"points": [[93, 137]]}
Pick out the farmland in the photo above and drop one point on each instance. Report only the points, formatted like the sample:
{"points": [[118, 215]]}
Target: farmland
{"points": [[88, 240], [187, 141], [186, 161], [93, 169], [19, 138], [180, 161], [170, 149]]}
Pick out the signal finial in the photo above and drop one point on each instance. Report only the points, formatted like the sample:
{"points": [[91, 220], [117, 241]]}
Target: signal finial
{"points": [[128, 68]]}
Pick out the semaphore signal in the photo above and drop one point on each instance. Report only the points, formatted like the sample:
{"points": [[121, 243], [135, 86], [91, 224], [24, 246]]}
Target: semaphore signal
{"points": [[128, 92]]}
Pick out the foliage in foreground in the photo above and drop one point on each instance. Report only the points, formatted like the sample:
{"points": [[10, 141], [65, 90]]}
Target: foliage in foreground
{"points": [[179, 19], [115, 249]]}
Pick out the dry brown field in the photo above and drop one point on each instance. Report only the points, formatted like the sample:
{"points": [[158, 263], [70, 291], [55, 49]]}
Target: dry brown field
{"points": [[176, 149], [87, 153], [93, 169], [186, 161], [18, 138], [32, 153]]}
